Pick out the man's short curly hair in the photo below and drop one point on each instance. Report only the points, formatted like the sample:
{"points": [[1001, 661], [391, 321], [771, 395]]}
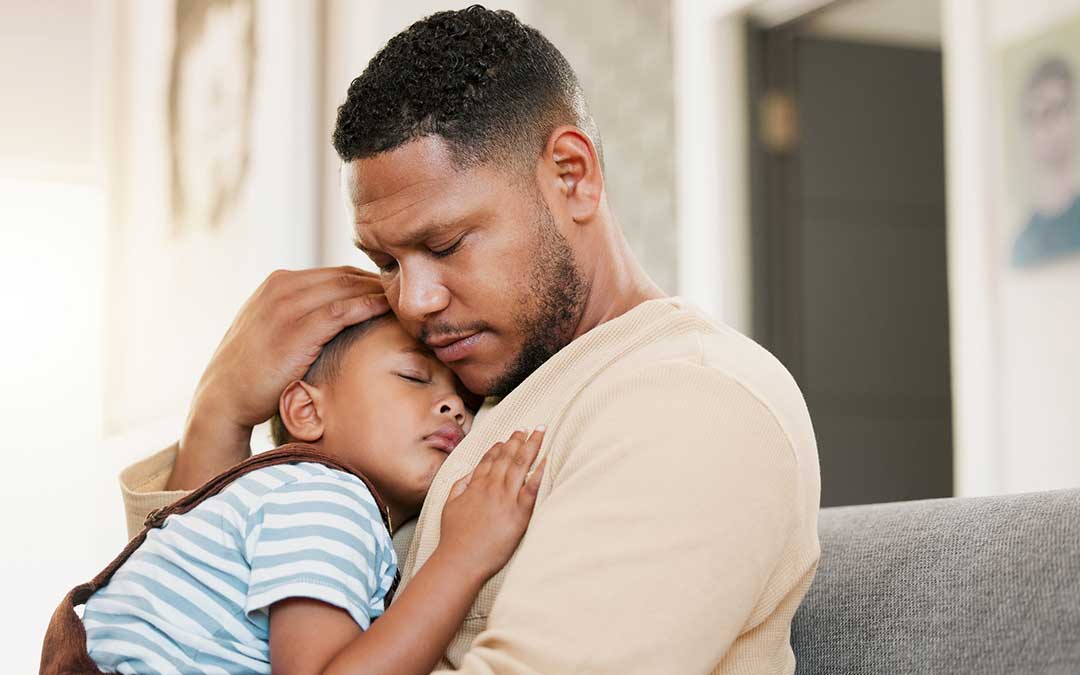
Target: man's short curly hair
{"points": [[491, 87]]}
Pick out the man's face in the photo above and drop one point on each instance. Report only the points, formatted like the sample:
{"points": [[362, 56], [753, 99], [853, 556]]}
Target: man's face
{"points": [[1051, 118], [473, 262]]}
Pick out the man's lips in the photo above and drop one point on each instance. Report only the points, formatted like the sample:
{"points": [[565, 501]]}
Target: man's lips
{"points": [[453, 347], [446, 437]]}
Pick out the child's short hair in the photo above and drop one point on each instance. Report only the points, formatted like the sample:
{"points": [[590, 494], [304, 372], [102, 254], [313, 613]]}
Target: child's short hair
{"points": [[326, 368]]}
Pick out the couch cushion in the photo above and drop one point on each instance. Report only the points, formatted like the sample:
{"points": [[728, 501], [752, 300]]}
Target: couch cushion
{"points": [[978, 585]]}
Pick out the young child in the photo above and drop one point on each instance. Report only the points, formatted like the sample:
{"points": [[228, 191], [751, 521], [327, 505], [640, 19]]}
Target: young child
{"points": [[288, 566]]}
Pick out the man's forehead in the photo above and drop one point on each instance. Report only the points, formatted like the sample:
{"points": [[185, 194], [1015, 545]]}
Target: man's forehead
{"points": [[402, 185], [404, 172], [403, 209]]}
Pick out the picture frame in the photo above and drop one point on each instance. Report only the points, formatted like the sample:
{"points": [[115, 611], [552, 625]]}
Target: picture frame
{"points": [[1040, 112], [213, 183]]}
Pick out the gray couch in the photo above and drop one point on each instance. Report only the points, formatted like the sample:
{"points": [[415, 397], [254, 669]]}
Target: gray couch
{"points": [[980, 585]]}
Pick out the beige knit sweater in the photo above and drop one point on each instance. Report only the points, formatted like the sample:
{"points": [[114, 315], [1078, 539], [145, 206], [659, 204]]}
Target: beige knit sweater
{"points": [[676, 526]]}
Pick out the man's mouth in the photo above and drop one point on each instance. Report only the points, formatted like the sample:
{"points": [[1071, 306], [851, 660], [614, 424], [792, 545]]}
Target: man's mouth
{"points": [[445, 438], [452, 348]]}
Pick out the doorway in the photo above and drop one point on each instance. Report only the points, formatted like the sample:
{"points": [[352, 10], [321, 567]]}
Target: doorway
{"points": [[848, 241]]}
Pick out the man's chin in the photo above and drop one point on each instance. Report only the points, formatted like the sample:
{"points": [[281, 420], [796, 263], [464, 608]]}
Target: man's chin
{"points": [[475, 378]]}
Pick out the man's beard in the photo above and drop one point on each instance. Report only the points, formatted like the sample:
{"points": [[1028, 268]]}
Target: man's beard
{"points": [[552, 310]]}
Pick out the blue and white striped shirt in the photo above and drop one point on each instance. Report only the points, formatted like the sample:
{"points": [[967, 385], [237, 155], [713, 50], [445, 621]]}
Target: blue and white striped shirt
{"points": [[196, 595]]}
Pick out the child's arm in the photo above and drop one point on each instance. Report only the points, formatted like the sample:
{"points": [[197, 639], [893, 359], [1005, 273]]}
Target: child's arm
{"points": [[309, 636], [484, 519]]}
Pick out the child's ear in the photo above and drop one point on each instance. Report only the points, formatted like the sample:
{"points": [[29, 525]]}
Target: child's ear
{"points": [[299, 408]]}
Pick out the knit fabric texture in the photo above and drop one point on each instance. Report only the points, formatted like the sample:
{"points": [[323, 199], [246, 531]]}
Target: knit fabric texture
{"points": [[979, 585]]}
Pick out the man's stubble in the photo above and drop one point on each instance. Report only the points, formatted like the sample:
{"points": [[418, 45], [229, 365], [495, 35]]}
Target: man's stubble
{"points": [[551, 308]]}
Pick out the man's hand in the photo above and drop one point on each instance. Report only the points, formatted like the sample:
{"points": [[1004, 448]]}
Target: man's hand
{"points": [[274, 339]]}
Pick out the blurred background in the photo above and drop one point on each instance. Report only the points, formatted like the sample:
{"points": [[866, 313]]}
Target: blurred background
{"points": [[884, 193]]}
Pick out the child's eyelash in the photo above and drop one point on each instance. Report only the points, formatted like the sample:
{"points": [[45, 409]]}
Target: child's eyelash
{"points": [[413, 378]]}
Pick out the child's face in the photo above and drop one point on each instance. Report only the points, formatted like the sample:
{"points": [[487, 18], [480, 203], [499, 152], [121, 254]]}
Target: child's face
{"points": [[396, 412]]}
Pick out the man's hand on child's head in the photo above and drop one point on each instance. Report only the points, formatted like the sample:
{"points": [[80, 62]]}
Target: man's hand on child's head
{"points": [[275, 337]]}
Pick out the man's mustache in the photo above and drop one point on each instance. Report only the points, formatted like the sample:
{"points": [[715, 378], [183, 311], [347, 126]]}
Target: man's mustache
{"points": [[432, 331]]}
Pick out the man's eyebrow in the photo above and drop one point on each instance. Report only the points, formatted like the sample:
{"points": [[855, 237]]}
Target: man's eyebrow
{"points": [[415, 237]]}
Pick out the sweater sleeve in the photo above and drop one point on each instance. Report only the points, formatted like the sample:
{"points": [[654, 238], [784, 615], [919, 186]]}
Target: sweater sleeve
{"points": [[673, 502], [142, 486]]}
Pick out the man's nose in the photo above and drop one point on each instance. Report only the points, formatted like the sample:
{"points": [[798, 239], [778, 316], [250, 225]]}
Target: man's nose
{"points": [[452, 406], [421, 294]]}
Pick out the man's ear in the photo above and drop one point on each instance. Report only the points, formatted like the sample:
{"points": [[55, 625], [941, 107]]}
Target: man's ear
{"points": [[571, 159], [300, 408]]}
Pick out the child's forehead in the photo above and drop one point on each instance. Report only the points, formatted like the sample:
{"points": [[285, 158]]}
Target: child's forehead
{"points": [[389, 343]]}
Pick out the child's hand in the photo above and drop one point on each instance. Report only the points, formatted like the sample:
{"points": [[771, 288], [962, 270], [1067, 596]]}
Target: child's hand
{"points": [[488, 510]]}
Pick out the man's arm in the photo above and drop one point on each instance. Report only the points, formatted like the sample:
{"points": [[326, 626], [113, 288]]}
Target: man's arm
{"points": [[142, 486], [654, 549]]}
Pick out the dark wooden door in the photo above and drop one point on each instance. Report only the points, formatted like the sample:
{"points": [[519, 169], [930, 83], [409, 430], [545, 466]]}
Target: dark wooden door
{"points": [[849, 255]]}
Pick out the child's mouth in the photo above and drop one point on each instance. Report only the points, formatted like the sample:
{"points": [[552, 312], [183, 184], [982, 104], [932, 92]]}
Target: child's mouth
{"points": [[445, 438]]}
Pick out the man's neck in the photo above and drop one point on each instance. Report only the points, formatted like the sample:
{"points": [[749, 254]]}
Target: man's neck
{"points": [[618, 283]]}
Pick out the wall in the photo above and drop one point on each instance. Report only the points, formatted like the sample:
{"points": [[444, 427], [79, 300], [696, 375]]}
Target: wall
{"points": [[625, 70], [52, 248], [976, 446], [904, 23], [63, 129]]}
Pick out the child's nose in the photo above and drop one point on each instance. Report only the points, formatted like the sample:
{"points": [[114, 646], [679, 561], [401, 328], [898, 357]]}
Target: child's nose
{"points": [[453, 406]]}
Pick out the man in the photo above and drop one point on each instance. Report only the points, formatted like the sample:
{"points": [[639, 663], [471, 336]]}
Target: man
{"points": [[676, 525], [1050, 123]]}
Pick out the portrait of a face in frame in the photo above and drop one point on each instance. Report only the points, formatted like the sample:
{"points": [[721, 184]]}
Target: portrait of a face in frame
{"points": [[210, 102], [1042, 121]]}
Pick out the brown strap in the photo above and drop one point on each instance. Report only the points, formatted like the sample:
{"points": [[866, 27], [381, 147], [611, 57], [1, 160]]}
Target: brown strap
{"points": [[64, 651], [286, 454]]}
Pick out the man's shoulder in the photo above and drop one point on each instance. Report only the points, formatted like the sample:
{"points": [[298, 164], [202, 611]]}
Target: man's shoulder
{"points": [[718, 356], [713, 382], [701, 342]]}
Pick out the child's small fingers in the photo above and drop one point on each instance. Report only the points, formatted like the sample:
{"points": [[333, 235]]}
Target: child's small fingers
{"points": [[505, 457], [483, 468], [532, 446], [518, 461], [516, 440], [459, 486], [532, 484]]}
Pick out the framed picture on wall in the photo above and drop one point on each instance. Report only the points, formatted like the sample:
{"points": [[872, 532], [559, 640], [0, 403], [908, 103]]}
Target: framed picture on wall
{"points": [[1040, 94], [214, 184]]}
